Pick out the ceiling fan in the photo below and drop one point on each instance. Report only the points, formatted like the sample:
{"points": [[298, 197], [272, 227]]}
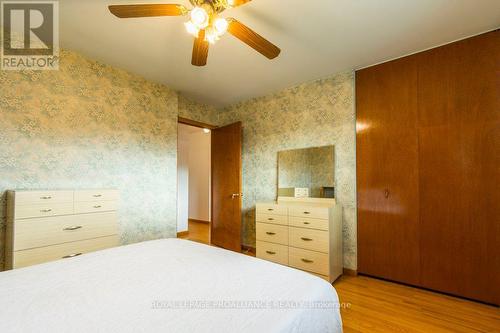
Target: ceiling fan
{"points": [[204, 24]]}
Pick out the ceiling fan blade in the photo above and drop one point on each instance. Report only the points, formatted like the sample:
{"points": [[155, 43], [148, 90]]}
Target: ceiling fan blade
{"points": [[200, 50], [236, 3], [127, 11], [252, 39]]}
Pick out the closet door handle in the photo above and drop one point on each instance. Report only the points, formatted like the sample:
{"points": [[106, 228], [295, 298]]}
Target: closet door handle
{"points": [[76, 227], [386, 193], [271, 252], [270, 233], [72, 255], [307, 261], [306, 239]]}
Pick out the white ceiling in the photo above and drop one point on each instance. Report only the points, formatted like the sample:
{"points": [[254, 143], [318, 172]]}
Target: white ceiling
{"points": [[318, 38]]}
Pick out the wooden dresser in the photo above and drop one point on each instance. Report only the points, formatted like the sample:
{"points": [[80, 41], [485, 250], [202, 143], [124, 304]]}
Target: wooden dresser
{"points": [[303, 235], [50, 225]]}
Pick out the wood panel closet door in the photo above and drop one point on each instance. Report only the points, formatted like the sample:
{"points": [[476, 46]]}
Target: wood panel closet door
{"points": [[387, 171], [459, 139]]}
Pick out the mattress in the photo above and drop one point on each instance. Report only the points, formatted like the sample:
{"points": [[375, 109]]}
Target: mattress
{"points": [[169, 285]]}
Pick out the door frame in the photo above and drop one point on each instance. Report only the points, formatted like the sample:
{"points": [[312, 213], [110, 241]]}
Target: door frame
{"points": [[194, 123], [186, 121]]}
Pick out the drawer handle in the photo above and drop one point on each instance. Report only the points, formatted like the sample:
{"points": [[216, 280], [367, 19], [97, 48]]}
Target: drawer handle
{"points": [[45, 210], [97, 206], [97, 195], [270, 209], [271, 233], [270, 219], [47, 197], [307, 261], [72, 255], [306, 223], [76, 227], [307, 213], [306, 239], [271, 252]]}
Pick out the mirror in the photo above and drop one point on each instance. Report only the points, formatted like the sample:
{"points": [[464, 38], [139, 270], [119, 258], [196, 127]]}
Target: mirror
{"points": [[307, 173]]}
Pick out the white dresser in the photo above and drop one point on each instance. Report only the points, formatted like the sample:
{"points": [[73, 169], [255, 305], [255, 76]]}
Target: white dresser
{"points": [[50, 225], [303, 235]]}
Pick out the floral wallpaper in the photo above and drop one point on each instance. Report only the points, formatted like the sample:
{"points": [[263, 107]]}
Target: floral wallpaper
{"points": [[195, 111], [312, 114], [89, 125]]}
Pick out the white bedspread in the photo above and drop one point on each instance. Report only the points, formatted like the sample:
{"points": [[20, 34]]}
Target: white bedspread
{"points": [[165, 286]]}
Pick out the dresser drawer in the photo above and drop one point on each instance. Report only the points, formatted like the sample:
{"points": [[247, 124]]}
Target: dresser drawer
{"points": [[273, 219], [272, 209], [96, 195], [306, 222], [43, 210], [312, 212], [94, 206], [273, 252], [311, 261], [309, 239], [38, 232], [272, 233], [60, 251], [43, 197]]}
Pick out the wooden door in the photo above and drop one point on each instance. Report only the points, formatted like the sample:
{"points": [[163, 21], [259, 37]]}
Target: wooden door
{"points": [[459, 117], [387, 171], [226, 187]]}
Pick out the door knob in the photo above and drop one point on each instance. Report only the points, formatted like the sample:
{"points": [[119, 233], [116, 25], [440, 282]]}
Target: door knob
{"points": [[236, 195]]}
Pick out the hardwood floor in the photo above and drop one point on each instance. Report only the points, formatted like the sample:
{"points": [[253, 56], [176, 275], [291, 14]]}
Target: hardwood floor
{"points": [[372, 305], [198, 232], [380, 306]]}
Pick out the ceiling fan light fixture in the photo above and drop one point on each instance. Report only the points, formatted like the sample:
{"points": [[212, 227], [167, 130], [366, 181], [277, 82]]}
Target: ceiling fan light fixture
{"points": [[200, 17], [211, 35], [220, 25], [204, 24], [192, 29]]}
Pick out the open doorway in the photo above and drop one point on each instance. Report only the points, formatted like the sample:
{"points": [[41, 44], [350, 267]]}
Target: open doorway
{"points": [[194, 181], [209, 177]]}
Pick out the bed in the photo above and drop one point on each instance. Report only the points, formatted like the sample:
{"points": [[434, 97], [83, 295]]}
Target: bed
{"points": [[168, 285]]}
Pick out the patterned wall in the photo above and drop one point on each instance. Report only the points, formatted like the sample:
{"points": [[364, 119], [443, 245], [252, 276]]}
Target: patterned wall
{"points": [[313, 114], [92, 126], [89, 125], [195, 111]]}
